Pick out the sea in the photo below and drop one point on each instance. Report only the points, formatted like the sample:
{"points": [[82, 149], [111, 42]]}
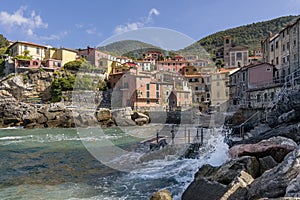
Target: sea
{"points": [[62, 164]]}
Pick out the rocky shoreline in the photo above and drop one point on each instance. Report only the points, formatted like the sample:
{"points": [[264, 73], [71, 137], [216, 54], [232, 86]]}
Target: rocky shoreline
{"points": [[265, 165]]}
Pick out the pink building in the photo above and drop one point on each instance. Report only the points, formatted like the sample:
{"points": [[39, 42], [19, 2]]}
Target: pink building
{"points": [[169, 65], [94, 56], [260, 74], [27, 64]]}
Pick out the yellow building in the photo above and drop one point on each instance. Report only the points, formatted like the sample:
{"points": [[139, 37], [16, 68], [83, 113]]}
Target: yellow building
{"points": [[36, 51], [63, 54]]}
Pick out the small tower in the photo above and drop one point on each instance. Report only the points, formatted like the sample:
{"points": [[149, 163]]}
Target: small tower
{"points": [[227, 46]]}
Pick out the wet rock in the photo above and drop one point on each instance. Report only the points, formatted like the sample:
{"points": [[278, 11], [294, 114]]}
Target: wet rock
{"points": [[243, 180], [286, 131], [214, 182], [293, 188], [266, 163], [275, 182], [161, 195], [203, 189], [277, 147], [288, 116]]}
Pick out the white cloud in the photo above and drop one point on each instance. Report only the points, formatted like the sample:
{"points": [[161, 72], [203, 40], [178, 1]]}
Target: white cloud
{"points": [[136, 25], [54, 36], [18, 20]]}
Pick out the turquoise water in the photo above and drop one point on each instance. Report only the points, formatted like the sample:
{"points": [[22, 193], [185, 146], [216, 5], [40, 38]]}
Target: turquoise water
{"points": [[54, 164]]}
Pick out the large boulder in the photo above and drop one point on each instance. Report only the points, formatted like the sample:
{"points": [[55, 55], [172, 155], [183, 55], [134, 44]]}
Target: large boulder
{"points": [[103, 114], [287, 131], [275, 183], [277, 147], [122, 116], [216, 182]]}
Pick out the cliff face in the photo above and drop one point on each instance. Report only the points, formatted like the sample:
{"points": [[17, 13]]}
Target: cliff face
{"points": [[28, 84]]}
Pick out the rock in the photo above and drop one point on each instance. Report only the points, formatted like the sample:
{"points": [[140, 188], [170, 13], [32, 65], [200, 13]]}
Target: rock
{"points": [[103, 114], [292, 132], [275, 147], [214, 182], [266, 163], [141, 121], [202, 189], [288, 116], [230, 170], [56, 107], [161, 195], [293, 188], [241, 181], [275, 182], [122, 116]]}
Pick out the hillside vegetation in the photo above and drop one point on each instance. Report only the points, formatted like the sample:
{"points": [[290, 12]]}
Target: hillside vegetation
{"points": [[249, 35], [126, 46]]}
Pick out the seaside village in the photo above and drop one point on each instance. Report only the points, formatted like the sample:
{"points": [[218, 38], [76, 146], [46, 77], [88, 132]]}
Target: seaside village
{"points": [[159, 82]]}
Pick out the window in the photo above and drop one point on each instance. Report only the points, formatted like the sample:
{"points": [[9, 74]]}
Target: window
{"points": [[265, 97], [276, 45], [148, 86], [157, 86], [258, 98], [196, 88], [208, 95], [239, 55], [186, 95], [25, 47], [227, 41], [294, 43], [268, 69], [186, 70], [148, 94], [283, 60], [244, 76], [272, 62], [277, 61], [283, 47], [218, 94], [157, 101], [37, 50], [272, 47], [288, 45], [148, 102], [167, 92], [125, 85]]}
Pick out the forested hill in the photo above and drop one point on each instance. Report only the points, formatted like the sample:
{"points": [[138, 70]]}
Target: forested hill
{"points": [[249, 35], [126, 46]]}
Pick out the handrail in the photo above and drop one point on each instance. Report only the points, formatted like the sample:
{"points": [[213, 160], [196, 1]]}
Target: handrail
{"points": [[242, 124]]}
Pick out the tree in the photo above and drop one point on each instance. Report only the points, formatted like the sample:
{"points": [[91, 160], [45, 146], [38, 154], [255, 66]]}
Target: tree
{"points": [[3, 41]]}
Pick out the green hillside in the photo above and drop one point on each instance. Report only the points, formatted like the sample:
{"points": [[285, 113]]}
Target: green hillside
{"points": [[249, 35], [126, 46]]}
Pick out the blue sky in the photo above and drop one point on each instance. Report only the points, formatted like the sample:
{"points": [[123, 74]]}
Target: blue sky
{"points": [[76, 24]]}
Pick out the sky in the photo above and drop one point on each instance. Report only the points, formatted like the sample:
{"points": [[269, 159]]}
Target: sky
{"points": [[77, 24]]}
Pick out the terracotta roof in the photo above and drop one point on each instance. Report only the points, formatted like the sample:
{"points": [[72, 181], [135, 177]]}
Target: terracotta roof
{"points": [[226, 70]]}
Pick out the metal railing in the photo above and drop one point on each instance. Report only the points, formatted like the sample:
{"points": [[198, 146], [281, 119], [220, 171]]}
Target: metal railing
{"points": [[242, 125]]}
